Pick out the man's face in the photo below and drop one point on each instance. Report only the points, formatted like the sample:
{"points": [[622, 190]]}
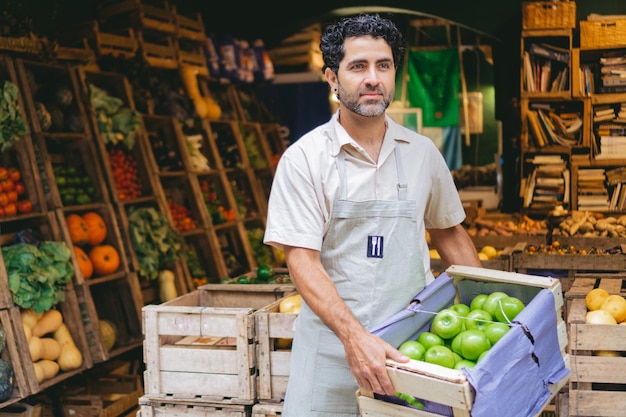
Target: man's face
{"points": [[367, 76]]}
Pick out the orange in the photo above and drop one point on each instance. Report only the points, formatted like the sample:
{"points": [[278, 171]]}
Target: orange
{"points": [[595, 298], [616, 305]]}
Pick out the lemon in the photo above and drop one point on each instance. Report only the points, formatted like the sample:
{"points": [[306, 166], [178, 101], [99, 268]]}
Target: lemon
{"points": [[595, 298], [490, 251], [616, 305], [482, 256]]}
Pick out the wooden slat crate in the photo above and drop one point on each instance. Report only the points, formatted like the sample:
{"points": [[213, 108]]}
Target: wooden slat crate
{"points": [[11, 323], [167, 145], [136, 14], [214, 331], [119, 44], [300, 51], [104, 396], [272, 358], [217, 344], [580, 284], [113, 238], [250, 295], [72, 319], [267, 410], [21, 409], [570, 262], [78, 155], [450, 387], [159, 51], [597, 383], [203, 248], [189, 27], [123, 213], [22, 155], [56, 87], [166, 407], [118, 301], [22, 45]]}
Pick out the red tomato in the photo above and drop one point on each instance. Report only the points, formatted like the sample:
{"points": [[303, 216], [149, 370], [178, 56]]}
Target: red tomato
{"points": [[4, 199], [7, 184], [24, 206], [4, 173], [15, 174], [12, 196], [11, 209], [20, 188]]}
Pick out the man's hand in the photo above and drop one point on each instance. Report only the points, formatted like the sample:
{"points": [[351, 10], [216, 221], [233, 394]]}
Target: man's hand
{"points": [[367, 355]]}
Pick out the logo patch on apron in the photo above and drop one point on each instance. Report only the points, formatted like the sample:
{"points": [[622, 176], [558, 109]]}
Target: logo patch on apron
{"points": [[374, 246]]}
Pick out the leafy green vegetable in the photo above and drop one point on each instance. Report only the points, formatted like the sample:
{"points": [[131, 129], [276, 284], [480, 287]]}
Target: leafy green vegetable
{"points": [[155, 241], [38, 276], [116, 123], [12, 126]]}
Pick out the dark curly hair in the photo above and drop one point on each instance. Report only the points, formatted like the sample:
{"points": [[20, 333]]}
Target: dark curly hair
{"points": [[334, 35]]}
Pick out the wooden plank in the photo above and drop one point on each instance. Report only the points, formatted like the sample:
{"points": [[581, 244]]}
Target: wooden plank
{"points": [[13, 353]]}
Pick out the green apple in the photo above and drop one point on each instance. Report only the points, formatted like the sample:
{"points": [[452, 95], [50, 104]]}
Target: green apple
{"points": [[464, 363], [508, 309], [495, 331], [413, 402], [447, 324], [412, 349], [460, 308], [471, 344], [477, 319], [440, 355], [429, 339], [491, 303], [477, 301]]}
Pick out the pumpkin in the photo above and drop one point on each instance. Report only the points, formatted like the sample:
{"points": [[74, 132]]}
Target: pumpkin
{"points": [[96, 228], [109, 334], [77, 228], [105, 259], [84, 263]]}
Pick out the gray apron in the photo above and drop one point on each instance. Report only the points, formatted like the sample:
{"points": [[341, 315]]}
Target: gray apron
{"points": [[372, 253]]}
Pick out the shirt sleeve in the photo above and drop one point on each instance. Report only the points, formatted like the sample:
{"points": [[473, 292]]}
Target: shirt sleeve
{"points": [[445, 208], [295, 216]]}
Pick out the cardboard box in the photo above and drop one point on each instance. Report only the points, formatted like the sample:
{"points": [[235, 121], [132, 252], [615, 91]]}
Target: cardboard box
{"points": [[520, 387]]}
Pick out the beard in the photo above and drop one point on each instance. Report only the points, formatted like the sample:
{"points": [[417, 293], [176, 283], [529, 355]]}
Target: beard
{"points": [[370, 108]]}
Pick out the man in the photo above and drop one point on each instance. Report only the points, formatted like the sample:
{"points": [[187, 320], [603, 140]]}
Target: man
{"points": [[350, 205]]}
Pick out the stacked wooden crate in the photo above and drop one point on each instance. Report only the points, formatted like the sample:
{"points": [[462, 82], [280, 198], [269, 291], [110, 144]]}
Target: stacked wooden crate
{"points": [[597, 384], [213, 328], [30, 227]]}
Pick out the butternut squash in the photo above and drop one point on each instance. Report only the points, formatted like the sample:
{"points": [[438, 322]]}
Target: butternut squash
{"points": [[51, 348], [70, 357], [63, 335], [167, 287], [45, 369], [28, 332], [29, 317], [48, 322], [35, 347]]}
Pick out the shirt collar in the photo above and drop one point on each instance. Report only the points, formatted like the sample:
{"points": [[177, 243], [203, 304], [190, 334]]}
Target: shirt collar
{"points": [[340, 137]]}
